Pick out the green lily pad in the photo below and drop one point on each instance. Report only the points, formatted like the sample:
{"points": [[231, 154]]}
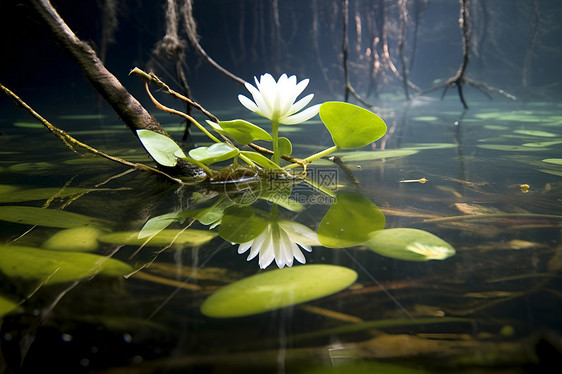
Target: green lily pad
{"points": [[349, 221], [552, 172], [28, 125], [162, 149], [40, 194], [426, 118], [276, 289], [556, 161], [542, 144], [350, 125], [28, 215], [187, 238], [496, 127], [509, 148], [242, 131], [375, 155], [214, 153], [78, 239], [543, 134], [409, 244], [424, 146], [51, 267]]}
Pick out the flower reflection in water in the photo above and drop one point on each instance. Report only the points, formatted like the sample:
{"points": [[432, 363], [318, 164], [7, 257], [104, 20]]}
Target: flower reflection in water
{"points": [[280, 241]]}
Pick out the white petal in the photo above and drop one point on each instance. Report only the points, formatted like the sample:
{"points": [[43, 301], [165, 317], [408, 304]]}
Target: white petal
{"points": [[249, 104], [284, 255], [263, 108], [268, 91], [266, 250], [257, 245], [300, 234], [244, 246], [303, 116], [298, 254], [299, 88], [300, 104]]}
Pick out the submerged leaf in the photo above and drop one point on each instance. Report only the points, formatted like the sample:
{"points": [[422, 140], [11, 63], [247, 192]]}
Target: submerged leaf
{"points": [[78, 239], [51, 267], [409, 244], [277, 289], [349, 221], [28, 215], [350, 125], [162, 149], [189, 237]]}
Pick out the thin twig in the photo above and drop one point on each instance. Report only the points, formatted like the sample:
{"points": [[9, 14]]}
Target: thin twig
{"points": [[70, 141]]}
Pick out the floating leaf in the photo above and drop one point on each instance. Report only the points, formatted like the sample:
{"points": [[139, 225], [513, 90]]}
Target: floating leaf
{"points": [[162, 149], [409, 244], [40, 194], [28, 215], [375, 155], [426, 118], [509, 148], [214, 153], [277, 289], [542, 144], [350, 125], [51, 267], [242, 131], [552, 172], [77, 239], [349, 221], [260, 159], [189, 237], [241, 224], [556, 161], [543, 134], [424, 146]]}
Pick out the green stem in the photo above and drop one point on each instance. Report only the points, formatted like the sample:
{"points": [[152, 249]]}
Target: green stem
{"points": [[275, 135], [315, 156]]}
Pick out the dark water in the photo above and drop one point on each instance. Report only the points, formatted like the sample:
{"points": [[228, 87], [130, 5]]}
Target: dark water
{"points": [[493, 307]]}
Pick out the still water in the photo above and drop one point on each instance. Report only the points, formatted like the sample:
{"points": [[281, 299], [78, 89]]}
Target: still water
{"points": [[487, 181]]}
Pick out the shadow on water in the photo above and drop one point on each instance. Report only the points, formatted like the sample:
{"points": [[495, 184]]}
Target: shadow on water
{"points": [[438, 249]]}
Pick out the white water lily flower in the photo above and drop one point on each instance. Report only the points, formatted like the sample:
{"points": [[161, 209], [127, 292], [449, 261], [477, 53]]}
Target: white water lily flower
{"points": [[276, 100], [280, 241]]}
